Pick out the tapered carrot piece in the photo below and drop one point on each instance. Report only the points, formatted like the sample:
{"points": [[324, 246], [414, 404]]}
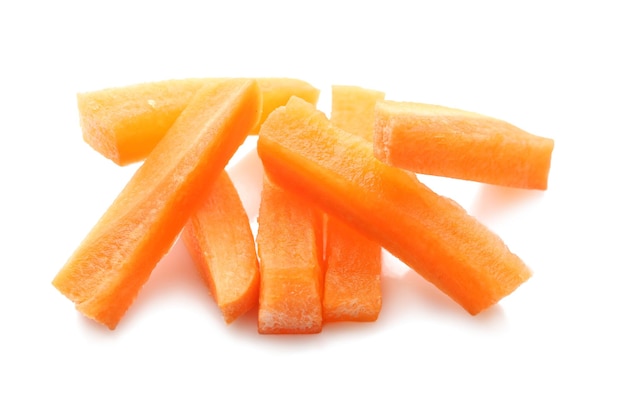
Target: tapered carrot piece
{"points": [[305, 154], [290, 297], [221, 244], [352, 287], [125, 123], [110, 266], [441, 141]]}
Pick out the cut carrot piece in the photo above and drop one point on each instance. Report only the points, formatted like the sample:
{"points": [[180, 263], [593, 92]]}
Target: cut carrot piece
{"points": [[125, 123], [290, 298], [352, 289], [302, 152], [221, 244], [353, 109], [277, 91], [110, 266], [441, 141]]}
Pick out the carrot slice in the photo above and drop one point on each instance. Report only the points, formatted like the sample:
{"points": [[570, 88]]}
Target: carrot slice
{"points": [[441, 141], [110, 266], [221, 244], [290, 297], [125, 123], [352, 288], [305, 154]]}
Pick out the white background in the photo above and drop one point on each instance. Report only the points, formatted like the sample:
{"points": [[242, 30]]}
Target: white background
{"points": [[555, 69]]}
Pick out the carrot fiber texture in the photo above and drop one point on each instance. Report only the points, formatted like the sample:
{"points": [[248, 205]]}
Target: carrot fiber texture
{"points": [[110, 266], [302, 152], [441, 141], [124, 124], [289, 237], [352, 286], [221, 244]]}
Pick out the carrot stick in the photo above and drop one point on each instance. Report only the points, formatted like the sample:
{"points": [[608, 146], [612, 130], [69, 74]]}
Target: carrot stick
{"points": [[442, 141], [290, 297], [125, 123], [353, 109], [110, 266], [277, 91], [352, 289], [221, 244], [302, 152]]}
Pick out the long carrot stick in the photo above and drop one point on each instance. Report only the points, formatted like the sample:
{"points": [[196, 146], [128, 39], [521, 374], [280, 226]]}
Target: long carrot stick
{"points": [[441, 141], [289, 237], [125, 123], [352, 286], [305, 154], [110, 266]]}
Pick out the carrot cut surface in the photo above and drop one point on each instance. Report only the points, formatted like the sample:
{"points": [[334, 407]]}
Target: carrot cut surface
{"points": [[110, 266], [441, 141], [302, 152], [124, 124], [290, 297], [220, 242], [352, 286]]}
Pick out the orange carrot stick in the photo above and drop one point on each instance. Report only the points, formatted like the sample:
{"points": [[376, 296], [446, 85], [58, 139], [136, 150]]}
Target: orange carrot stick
{"points": [[353, 109], [352, 289], [125, 123], [110, 266], [290, 297], [277, 91], [305, 154], [221, 244], [442, 141]]}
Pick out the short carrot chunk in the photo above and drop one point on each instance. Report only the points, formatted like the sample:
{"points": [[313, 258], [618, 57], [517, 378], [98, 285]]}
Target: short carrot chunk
{"points": [[352, 285], [221, 244], [302, 152], [107, 270], [125, 123], [441, 141], [290, 298]]}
